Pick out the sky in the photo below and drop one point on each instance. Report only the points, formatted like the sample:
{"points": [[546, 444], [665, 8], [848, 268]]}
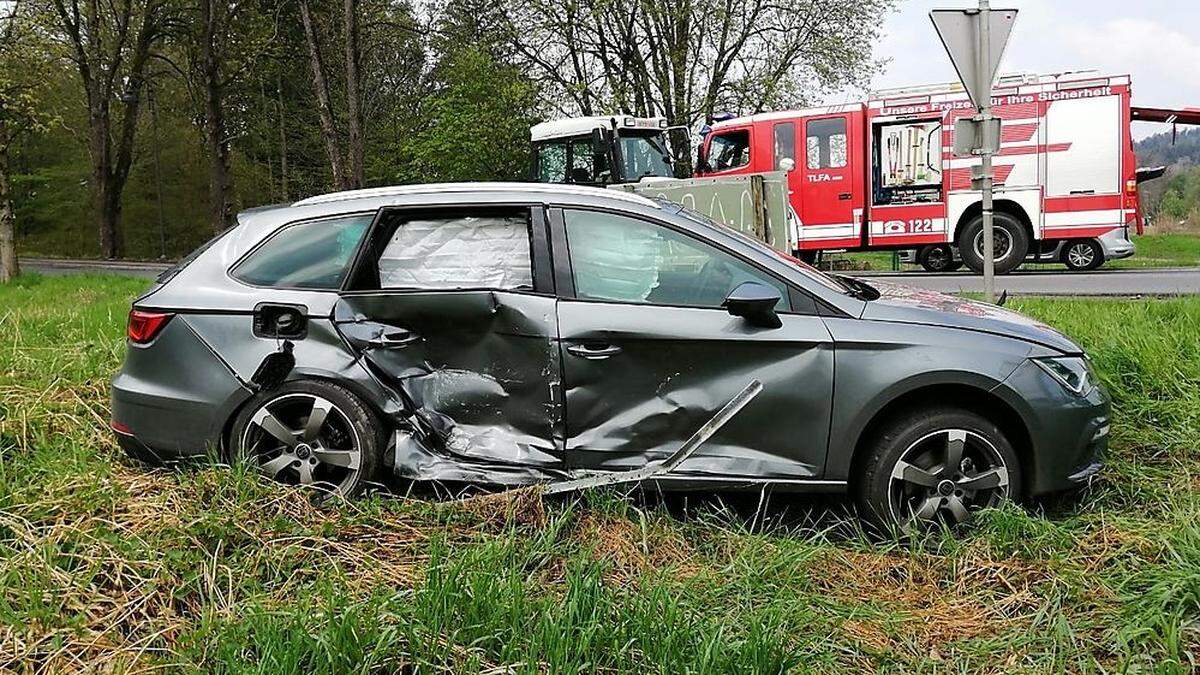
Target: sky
{"points": [[1157, 42]]}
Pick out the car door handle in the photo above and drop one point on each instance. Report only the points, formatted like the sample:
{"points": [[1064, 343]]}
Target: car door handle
{"points": [[594, 352], [401, 338], [844, 196]]}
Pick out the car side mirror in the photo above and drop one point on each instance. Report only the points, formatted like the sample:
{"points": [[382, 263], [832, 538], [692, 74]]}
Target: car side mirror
{"points": [[755, 303]]}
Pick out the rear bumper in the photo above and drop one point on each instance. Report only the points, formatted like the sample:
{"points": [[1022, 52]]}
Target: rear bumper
{"points": [[1116, 244], [173, 396]]}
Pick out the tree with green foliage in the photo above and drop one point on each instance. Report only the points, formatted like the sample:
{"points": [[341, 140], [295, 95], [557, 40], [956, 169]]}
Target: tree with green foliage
{"points": [[474, 116], [23, 61]]}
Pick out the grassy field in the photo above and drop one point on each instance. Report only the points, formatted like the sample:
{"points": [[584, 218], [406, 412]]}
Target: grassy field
{"points": [[108, 566]]}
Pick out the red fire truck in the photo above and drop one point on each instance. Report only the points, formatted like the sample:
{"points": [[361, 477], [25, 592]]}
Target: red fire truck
{"points": [[883, 175]]}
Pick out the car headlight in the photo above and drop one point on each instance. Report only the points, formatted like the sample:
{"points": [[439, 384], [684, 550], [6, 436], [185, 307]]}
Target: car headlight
{"points": [[1074, 373]]}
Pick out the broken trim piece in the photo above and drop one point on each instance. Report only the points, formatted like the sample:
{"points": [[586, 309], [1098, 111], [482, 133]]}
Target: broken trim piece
{"points": [[690, 446]]}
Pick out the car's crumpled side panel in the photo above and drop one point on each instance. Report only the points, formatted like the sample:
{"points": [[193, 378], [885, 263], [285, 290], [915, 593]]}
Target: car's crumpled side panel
{"points": [[478, 370]]}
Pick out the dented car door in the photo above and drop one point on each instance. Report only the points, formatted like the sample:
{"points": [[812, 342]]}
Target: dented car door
{"points": [[446, 307], [649, 354]]}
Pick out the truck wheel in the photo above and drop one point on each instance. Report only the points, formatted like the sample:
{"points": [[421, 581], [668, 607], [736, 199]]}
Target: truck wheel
{"points": [[937, 258], [936, 465], [1082, 254], [1010, 241]]}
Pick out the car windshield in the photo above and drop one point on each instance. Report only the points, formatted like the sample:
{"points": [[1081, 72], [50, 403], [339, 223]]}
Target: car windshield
{"points": [[830, 282], [645, 155]]}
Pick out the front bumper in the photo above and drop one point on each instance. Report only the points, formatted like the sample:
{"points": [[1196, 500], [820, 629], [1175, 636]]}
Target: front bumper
{"points": [[1068, 434]]}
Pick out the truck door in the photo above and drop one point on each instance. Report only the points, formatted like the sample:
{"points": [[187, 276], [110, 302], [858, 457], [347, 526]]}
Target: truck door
{"points": [[829, 197]]}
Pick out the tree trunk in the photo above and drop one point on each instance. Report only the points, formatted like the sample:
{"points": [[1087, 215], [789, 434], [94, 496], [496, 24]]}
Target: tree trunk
{"points": [[102, 174], [8, 239], [220, 181], [283, 151], [324, 107], [353, 98]]}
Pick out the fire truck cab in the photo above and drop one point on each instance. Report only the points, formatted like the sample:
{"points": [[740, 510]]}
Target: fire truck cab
{"points": [[882, 174]]}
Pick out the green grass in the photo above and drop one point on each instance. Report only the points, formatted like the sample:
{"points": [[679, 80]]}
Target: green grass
{"points": [[109, 566]]}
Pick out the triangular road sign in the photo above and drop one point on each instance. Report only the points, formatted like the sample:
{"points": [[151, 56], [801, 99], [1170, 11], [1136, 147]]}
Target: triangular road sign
{"points": [[959, 30]]}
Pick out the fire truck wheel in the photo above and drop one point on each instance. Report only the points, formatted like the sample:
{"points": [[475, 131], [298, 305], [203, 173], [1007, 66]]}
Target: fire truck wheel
{"points": [[1009, 239], [1082, 254], [938, 258]]}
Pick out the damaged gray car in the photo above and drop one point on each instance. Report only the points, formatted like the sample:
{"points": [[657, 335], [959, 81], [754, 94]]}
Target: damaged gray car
{"points": [[512, 334]]}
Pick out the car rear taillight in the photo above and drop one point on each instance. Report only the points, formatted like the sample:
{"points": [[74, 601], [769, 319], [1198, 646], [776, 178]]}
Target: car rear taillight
{"points": [[1131, 187], [143, 326]]}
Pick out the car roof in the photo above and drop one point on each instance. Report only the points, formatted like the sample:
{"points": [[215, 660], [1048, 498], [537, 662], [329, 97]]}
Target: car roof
{"points": [[557, 191]]}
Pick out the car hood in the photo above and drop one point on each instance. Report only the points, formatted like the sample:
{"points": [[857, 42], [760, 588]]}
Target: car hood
{"points": [[905, 304]]}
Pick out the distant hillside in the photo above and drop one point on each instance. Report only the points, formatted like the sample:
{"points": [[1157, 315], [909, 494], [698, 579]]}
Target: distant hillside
{"points": [[1159, 150], [1173, 201]]}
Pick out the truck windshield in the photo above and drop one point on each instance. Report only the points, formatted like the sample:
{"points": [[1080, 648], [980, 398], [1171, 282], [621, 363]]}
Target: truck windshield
{"points": [[645, 155]]}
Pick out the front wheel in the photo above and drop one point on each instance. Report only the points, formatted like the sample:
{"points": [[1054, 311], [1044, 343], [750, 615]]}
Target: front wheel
{"points": [[1082, 254], [936, 466], [310, 433], [1010, 243]]}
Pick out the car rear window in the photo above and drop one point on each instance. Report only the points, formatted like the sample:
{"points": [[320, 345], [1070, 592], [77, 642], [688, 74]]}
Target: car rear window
{"points": [[312, 254]]}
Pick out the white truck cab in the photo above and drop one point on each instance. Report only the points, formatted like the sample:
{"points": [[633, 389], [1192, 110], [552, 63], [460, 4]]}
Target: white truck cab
{"points": [[601, 150]]}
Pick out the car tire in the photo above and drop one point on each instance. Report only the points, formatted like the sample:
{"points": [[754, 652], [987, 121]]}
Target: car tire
{"points": [[1082, 254], [1012, 243], [905, 479], [937, 258], [339, 455]]}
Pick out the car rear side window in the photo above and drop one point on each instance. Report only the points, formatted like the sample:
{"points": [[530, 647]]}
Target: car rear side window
{"points": [[465, 250], [312, 254]]}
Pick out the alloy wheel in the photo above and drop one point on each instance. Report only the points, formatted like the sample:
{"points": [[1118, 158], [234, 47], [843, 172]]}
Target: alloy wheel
{"points": [[1081, 255], [946, 476], [1002, 243], [303, 439], [938, 258]]}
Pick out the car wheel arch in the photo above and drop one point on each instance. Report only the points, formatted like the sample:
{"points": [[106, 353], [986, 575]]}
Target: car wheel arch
{"points": [[377, 399], [981, 400]]}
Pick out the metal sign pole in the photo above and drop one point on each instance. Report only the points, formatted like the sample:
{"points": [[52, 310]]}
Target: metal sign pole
{"points": [[985, 114]]}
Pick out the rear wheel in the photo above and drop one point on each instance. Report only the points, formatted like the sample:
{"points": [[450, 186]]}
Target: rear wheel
{"points": [[938, 258], [1082, 254], [311, 433], [936, 466], [1010, 243]]}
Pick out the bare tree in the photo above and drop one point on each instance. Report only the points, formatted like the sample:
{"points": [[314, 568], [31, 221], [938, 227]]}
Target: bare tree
{"points": [[686, 59], [346, 157], [110, 43], [223, 40]]}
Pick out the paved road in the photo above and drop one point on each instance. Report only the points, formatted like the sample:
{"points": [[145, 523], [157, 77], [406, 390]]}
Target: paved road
{"points": [[1101, 282], [54, 266]]}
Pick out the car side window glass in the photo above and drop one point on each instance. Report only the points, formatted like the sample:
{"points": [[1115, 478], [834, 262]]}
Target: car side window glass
{"points": [[730, 150], [826, 143], [785, 142], [459, 251], [621, 259], [312, 254]]}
